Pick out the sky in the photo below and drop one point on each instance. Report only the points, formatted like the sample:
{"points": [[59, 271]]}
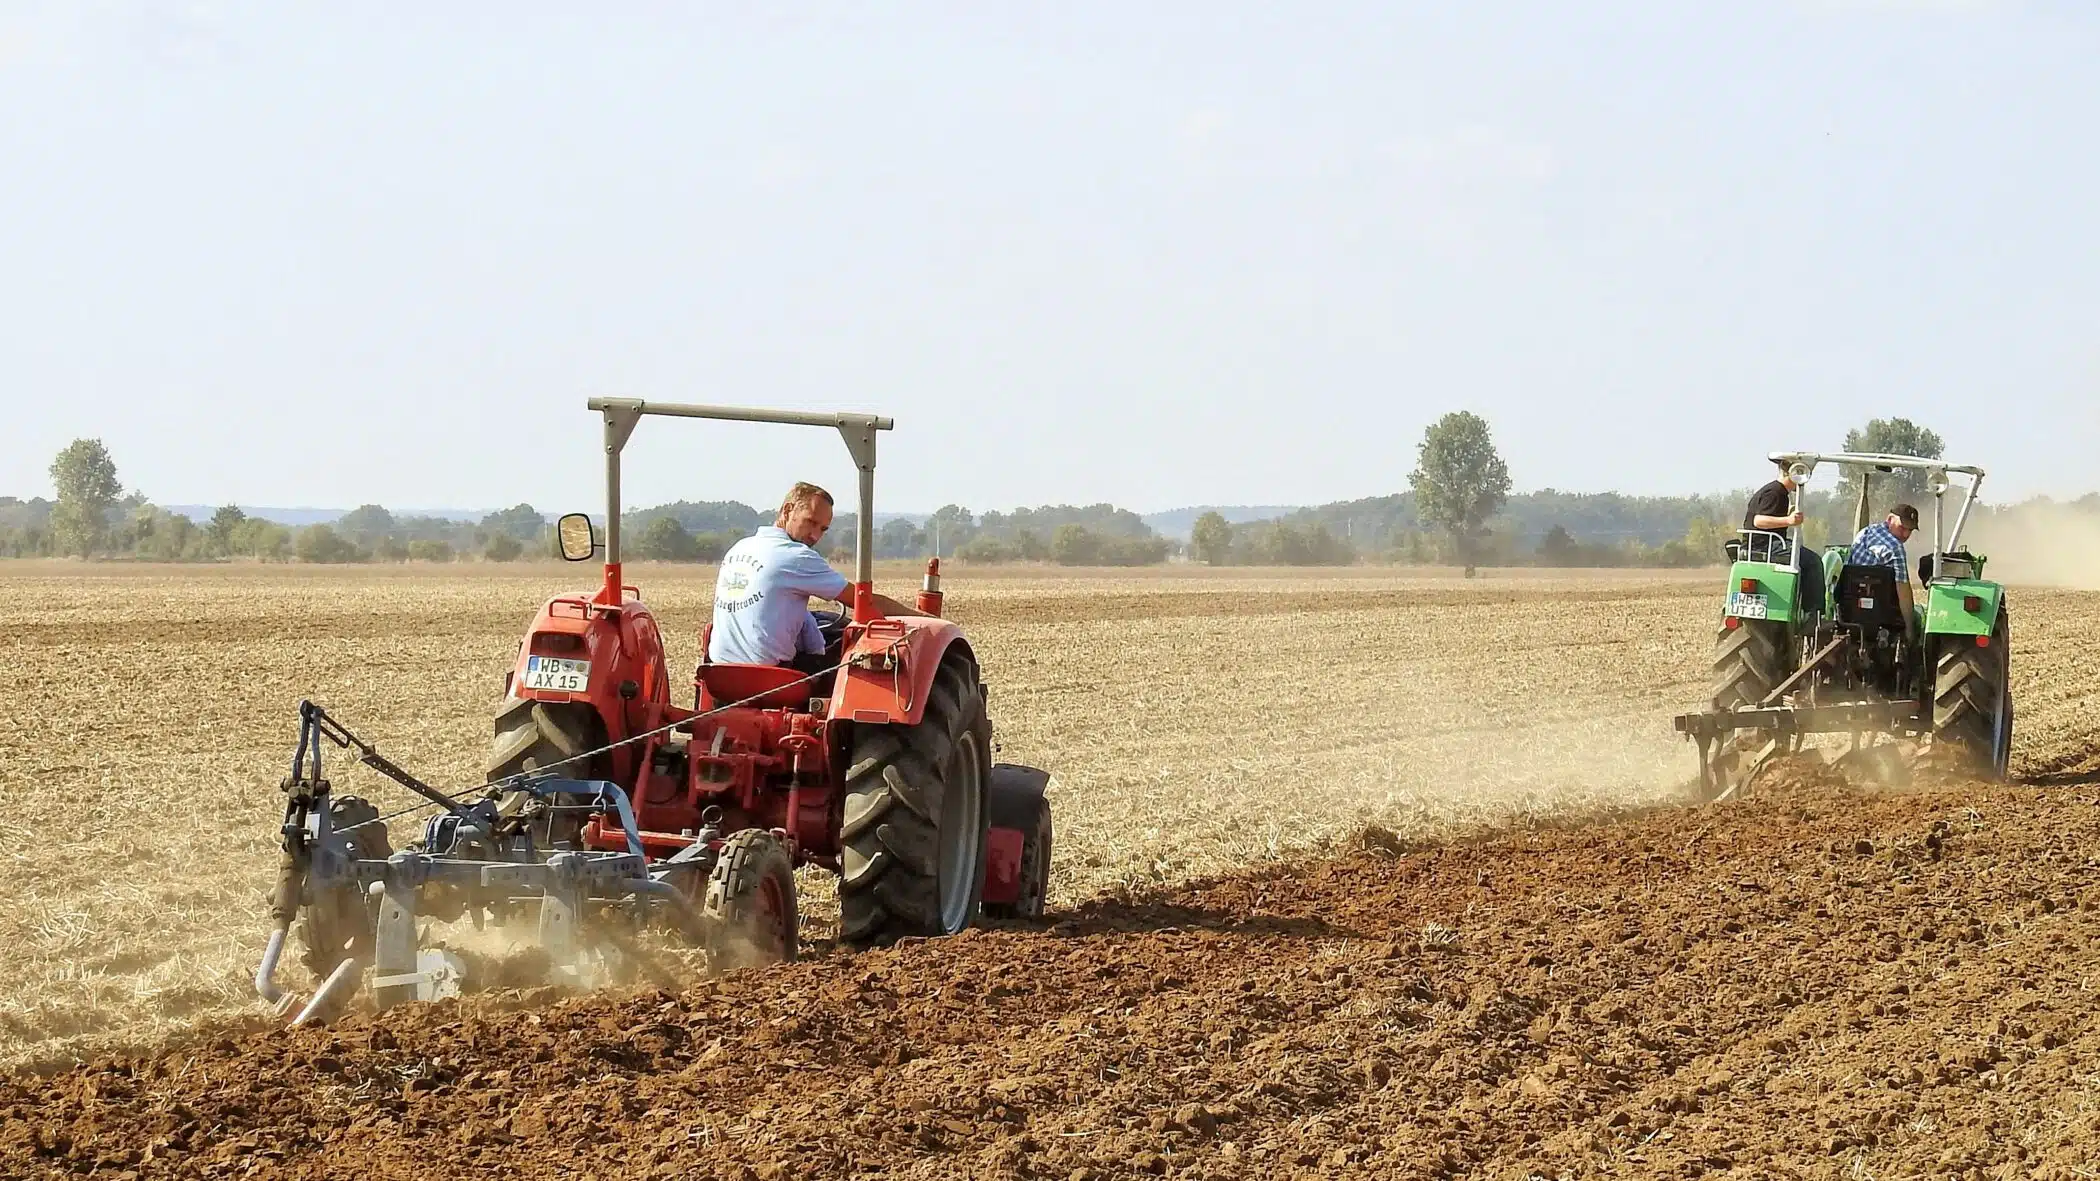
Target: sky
{"points": [[1156, 254]]}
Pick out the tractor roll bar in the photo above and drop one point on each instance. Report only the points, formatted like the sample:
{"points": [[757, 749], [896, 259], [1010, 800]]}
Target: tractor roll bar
{"points": [[1804, 463], [858, 430]]}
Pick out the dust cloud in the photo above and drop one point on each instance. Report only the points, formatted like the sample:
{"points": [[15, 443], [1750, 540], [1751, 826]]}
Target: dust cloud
{"points": [[2040, 544]]}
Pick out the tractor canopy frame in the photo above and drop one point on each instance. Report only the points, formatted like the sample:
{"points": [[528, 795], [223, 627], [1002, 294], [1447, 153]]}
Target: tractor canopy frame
{"points": [[1801, 466], [622, 415]]}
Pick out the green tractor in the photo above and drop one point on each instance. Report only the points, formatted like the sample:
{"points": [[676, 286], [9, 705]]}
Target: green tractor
{"points": [[1810, 644]]}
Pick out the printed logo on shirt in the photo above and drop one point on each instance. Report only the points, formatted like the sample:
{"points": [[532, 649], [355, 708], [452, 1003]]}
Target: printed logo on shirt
{"points": [[733, 589]]}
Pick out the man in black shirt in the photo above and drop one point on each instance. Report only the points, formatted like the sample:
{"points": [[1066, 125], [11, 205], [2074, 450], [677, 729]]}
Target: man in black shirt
{"points": [[1772, 511], [1772, 506]]}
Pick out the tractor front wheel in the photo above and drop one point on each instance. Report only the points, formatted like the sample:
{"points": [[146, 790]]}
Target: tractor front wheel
{"points": [[751, 901], [916, 816], [1972, 707]]}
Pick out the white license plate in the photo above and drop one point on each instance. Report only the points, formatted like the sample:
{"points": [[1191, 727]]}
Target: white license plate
{"points": [[553, 672], [1744, 606]]}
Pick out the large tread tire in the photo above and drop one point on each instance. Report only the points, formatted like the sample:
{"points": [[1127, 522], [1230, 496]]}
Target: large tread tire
{"points": [[1749, 660], [1972, 701], [534, 735], [340, 924], [916, 816], [539, 735], [751, 900]]}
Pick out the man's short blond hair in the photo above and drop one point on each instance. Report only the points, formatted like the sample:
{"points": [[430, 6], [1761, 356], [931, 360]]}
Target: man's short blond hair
{"points": [[801, 496]]}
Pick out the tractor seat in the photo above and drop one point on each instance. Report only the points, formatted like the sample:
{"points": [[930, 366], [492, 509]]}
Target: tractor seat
{"points": [[774, 686], [1866, 597]]}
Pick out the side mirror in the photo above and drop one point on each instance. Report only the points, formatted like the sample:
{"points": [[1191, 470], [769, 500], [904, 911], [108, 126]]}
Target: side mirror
{"points": [[576, 538], [1925, 569]]}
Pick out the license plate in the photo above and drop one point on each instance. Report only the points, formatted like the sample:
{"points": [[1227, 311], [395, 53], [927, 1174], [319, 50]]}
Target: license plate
{"points": [[1744, 606], [553, 672]]}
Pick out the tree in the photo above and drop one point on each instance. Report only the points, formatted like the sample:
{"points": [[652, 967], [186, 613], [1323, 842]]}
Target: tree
{"points": [[223, 524], [429, 550], [1459, 481], [1280, 543], [266, 540], [1887, 436], [367, 523], [1072, 545], [319, 543], [988, 550], [521, 521], [1130, 551], [950, 526], [1557, 547], [665, 540], [166, 537], [1704, 537], [1212, 539], [899, 538], [503, 547], [86, 478]]}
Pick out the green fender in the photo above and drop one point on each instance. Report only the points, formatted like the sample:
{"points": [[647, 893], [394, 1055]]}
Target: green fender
{"points": [[1775, 584], [1947, 610]]}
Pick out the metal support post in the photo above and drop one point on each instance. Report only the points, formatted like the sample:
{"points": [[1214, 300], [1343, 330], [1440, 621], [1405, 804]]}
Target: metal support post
{"points": [[394, 941]]}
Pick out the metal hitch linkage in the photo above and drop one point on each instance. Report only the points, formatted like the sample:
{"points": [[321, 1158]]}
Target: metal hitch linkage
{"points": [[320, 862]]}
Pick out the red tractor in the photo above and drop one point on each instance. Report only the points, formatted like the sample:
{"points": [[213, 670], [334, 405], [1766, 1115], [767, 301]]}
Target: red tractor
{"points": [[878, 768], [607, 802]]}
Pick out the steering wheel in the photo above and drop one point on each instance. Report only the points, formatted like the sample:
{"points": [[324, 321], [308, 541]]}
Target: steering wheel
{"points": [[831, 625]]}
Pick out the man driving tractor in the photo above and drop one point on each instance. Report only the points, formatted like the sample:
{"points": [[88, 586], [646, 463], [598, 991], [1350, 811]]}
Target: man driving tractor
{"points": [[1881, 544], [762, 594]]}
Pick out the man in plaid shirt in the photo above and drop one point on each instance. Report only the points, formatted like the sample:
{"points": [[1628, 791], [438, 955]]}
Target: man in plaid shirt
{"points": [[1881, 544]]}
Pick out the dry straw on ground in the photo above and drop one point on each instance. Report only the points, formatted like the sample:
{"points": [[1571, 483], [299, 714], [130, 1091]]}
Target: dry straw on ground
{"points": [[1194, 723]]}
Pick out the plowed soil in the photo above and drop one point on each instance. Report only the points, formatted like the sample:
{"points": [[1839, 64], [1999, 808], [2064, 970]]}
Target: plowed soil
{"points": [[1814, 983], [1535, 961]]}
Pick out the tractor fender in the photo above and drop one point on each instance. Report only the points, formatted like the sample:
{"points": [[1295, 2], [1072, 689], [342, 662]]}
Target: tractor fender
{"points": [[1947, 610], [889, 669]]}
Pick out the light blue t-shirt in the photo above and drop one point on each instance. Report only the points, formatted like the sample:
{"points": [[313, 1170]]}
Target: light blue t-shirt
{"points": [[762, 599]]}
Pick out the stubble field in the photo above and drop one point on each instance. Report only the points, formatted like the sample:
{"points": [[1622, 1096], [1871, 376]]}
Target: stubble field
{"points": [[1192, 724], [1198, 726]]}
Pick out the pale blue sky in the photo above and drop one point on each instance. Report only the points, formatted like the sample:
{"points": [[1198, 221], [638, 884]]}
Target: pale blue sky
{"points": [[1157, 254]]}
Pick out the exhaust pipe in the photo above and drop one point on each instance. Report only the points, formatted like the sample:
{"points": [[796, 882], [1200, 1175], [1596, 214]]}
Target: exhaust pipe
{"points": [[930, 590]]}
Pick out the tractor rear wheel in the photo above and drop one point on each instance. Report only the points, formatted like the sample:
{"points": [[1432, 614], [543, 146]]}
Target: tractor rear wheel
{"points": [[538, 735], [915, 819], [1749, 661], [751, 899], [339, 924], [1972, 707]]}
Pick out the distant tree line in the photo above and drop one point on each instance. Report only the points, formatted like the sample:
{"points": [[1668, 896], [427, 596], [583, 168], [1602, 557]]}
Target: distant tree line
{"points": [[92, 517], [1457, 510], [1285, 542]]}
